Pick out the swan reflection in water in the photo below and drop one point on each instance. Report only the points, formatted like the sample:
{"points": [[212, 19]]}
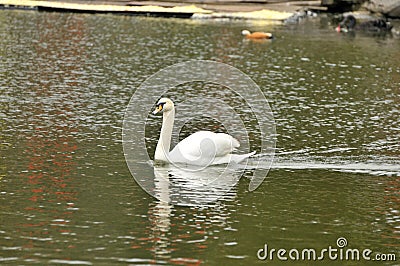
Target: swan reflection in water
{"points": [[200, 190], [193, 186]]}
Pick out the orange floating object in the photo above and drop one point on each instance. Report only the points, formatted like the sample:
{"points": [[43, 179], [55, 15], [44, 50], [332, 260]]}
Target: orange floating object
{"points": [[257, 35]]}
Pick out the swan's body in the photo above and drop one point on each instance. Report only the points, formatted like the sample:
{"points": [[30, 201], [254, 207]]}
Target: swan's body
{"points": [[201, 148], [257, 35]]}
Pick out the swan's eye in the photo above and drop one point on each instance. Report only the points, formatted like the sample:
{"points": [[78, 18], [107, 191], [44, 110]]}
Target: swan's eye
{"points": [[160, 105]]}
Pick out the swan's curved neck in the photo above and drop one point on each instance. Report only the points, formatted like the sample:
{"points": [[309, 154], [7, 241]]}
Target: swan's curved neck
{"points": [[164, 143]]}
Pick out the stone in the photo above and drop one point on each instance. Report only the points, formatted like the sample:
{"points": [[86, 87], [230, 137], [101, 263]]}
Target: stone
{"points": [[342, 5], [389, 8]]}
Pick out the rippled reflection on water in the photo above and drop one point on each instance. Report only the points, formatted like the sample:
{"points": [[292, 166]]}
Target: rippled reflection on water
{"points": [[66, 193]]}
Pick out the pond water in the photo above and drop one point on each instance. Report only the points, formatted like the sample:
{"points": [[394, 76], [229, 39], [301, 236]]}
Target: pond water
{"points": [[67, 196]]}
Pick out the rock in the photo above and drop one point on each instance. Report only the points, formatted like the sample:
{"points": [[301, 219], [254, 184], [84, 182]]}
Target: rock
{"points": [[342, 5], [389, 8]]}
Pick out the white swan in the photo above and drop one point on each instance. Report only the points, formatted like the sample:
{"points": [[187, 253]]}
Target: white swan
{"points": [[201, 148]]}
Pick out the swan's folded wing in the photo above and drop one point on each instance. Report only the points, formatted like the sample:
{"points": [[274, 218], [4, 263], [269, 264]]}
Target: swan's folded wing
{"points": [[225, 144], [204, 144]]}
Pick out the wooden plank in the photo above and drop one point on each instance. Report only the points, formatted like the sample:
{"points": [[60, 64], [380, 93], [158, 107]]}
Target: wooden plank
{"points": [[82, 7]]}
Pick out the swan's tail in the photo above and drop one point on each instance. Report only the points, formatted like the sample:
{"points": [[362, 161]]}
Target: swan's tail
{"points": [[237, 158]]}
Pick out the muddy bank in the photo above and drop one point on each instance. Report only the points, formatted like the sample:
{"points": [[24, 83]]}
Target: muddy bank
{"points": [[274, 10]]}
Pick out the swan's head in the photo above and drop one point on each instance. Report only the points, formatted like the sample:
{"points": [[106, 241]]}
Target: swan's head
{"points": [[245, 32], [164, 105]]}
